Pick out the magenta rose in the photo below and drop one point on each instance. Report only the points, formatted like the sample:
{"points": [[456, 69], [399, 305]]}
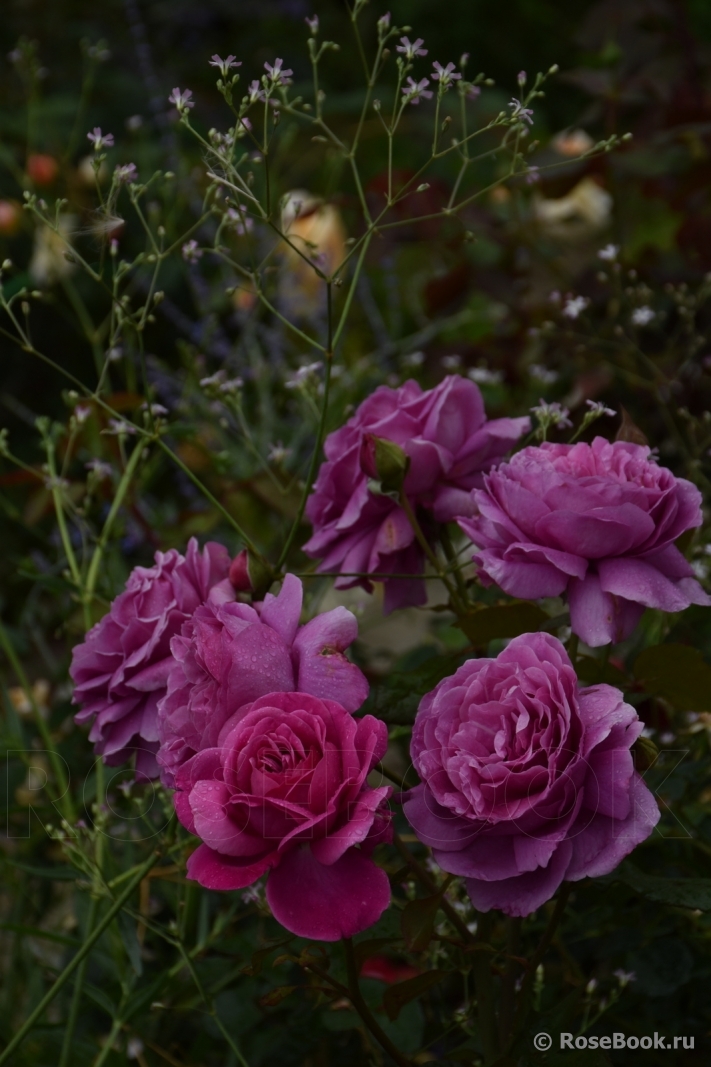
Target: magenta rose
{"points": [[121, 669], [285, 791], [228, 654], [446, 434], [597, 522], [527, 779]]}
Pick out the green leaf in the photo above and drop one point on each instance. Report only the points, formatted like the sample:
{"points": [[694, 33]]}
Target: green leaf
{"points": [[396, 701], [127, 929], [417, 921], [501, 620], [400, 994], [593, 672], [680, 892], [678, 673]]}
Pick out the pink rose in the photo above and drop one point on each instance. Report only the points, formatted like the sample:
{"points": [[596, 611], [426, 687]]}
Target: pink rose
{"points": [[597, 522], [228, 654], [527, 779], [285, 791], [445, 433], [121, 669]]}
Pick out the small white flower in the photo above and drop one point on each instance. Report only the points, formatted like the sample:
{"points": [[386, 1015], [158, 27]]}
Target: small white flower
{"points": [[126, 172], [232, 385], [451, 362], [156, 410], [574, 305], [191, 252], [597, 408], [411, 49], [119, 426], [225, 65], [384, 23], [182, 100], [312, 24], [624, 977], [609, 253], [412, 91], [542, 374], [524, 114], [642, 316], [303, 375], [134, 1048], [416, 359], [276, 74], [484, 376], [278, 453], [100, 140], [82, 413], [445, 75], [552, 415], [591, 986], [99, 469], [214, 380]]}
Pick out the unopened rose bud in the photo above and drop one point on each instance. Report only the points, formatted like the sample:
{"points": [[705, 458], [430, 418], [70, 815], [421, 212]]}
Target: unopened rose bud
{"points": [[384, 460], [248, 574]]}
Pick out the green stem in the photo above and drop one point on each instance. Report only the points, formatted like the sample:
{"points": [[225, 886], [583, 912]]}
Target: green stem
{"points": [[316, 455], [63, 799], [508, 985], [121, 491], [431, 886], [358, 1002], [90, 924], [538, 955], [427, 549], [484, 986], [109, 1043], [77, 960]]}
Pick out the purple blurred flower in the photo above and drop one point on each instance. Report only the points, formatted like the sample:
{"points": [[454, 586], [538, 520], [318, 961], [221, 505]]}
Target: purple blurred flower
{"points": [[121, 669], [449, 441], [524, 114], [229, 654], [527, 779], [100, 140], [285, 790], [597, 522], [225, 65]]}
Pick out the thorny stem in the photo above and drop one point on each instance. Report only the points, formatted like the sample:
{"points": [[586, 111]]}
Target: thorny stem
{"points": [[358, 1002], [77, 960]]}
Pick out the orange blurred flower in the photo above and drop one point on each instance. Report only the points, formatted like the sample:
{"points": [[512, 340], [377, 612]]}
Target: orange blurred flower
{"points": [[41, 169], [10, 216]]}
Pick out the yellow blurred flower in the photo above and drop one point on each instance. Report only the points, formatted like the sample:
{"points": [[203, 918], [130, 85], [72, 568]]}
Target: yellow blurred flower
{"points": [[583, 211], [316, 234]]}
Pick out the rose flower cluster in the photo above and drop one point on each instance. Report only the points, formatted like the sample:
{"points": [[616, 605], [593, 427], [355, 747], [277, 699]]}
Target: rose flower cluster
{"points": [[247, 715], [527, 778]]}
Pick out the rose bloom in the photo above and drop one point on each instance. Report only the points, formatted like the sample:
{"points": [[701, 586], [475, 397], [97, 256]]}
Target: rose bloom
{"points": [[228, 654], [527, 779], [446, 434], [285, 791], [597, 522], [121, 669]]}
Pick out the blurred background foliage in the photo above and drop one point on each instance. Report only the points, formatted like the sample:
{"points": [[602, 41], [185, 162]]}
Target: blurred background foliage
{"points": [[489, 297]]}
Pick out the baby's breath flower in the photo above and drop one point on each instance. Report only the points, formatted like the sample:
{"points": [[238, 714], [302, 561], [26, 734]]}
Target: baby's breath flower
{"points": [[533, 175], [240, 223], [411, 49], [119, 426], [100, 140], [542, 374], [232, 385], [551, 415], [276, 74], [473, 92], [485, 376], [524, 114], [624, 977], [82, 413], [182, 100], [191, 251], [312, 24], [642, 316], [412, 91], [225, 65], [609, 253], [255, 92], [384, 22], [597, 408], [303, 375], [278, 453], [99, 469], [574, 305], [126, 172], [445, 75]]}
